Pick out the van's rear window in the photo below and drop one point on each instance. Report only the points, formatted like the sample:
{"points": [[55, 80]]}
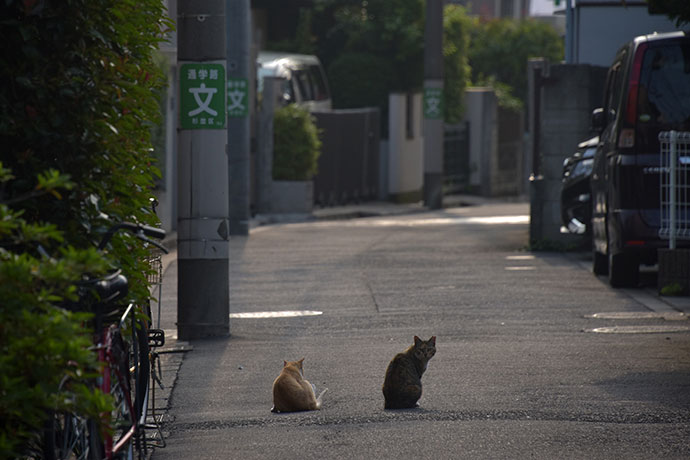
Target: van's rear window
{"points": [[664, 96]]}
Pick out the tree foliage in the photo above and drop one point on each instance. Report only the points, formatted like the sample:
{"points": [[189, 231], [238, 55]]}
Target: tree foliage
{"points": [[500, 48], [77, 97], [387, 29], [374, 47], [360, 80], [456, 69], [676, 10], [370, 48], [303, 41]]}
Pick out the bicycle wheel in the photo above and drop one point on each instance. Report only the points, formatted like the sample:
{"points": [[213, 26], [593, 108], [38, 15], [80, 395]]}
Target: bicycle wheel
{"points": [[140, 371], [70, 437]]}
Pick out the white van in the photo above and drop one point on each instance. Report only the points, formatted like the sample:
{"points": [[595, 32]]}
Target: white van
{"points": [[305, 79]]}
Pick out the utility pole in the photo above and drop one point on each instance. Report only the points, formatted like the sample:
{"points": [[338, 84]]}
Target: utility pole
{"points": [[433, 105], [569, 32], [238, 39], [203, 298]]}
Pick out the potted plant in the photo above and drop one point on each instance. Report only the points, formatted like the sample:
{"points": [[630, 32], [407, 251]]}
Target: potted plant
{"points": [[296, 150]]}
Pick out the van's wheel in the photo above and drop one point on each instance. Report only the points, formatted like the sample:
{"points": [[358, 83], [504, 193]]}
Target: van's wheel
{"points": [[624, 270], [600, 263]]}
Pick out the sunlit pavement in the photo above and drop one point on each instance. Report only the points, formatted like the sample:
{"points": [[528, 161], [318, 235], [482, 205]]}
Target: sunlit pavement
{"points": [[537, 358]]}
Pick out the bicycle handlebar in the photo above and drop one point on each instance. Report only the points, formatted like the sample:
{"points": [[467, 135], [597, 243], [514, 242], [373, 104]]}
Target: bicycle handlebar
{"points": [[143, 232]]}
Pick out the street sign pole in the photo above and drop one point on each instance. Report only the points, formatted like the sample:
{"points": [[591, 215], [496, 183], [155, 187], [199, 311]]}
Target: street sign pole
{"points": [[238, 39], [433, 105], [202, 225]]}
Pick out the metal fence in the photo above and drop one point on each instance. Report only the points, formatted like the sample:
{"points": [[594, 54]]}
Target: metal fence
{"points": [[456, 158], [674, 187], [349, 161]]}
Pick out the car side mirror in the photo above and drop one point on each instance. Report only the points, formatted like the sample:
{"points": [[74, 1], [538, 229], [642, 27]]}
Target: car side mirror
{"points": [[598, 119]]}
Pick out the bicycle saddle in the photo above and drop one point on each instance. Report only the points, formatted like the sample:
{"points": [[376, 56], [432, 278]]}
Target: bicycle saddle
{"points": [[108, 289], [113, 287]]}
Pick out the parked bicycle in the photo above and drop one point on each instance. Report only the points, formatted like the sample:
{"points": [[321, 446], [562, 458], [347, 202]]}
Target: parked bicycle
{"points": [[124, 341]]}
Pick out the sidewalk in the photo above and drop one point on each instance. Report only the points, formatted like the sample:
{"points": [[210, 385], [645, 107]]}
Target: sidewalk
{"points": [[373, 209]]}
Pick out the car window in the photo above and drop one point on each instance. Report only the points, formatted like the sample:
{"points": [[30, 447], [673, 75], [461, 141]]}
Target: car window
{"points": [[320, 90], [665, 84], [304, 84], [614, 87]]}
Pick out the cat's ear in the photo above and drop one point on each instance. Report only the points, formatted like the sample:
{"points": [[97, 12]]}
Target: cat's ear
{"points": [[432, 340], [301, 361], [417, 340], [284, 363]]}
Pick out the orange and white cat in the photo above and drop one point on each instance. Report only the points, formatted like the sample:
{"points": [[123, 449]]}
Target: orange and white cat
{"points": [[292, 392]]}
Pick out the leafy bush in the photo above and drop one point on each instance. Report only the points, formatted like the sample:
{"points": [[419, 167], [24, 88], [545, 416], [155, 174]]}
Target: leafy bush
{"points": [[40, 343], [296, 144], [77, 97]]}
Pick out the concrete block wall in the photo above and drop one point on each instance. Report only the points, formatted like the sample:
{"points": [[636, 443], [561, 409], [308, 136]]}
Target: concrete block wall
{"points": [[568, 94]]}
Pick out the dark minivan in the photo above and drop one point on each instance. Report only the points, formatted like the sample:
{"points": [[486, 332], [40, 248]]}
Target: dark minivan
{"points": [[647, 91]]}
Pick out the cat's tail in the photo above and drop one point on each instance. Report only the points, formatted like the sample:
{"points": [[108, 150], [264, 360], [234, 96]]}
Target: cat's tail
{"points": [[318, 400]]}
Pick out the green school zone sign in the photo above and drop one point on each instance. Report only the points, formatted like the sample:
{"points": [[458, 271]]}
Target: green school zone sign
{"points": [[238, 97], [202, 96], [433, 103]]}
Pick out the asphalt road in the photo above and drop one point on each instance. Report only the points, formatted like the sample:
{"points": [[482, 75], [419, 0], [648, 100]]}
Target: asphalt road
{"points": [[518, 373]]}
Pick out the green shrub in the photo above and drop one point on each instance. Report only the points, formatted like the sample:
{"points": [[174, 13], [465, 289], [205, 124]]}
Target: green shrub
{"points": [[296, 144], [673, 289], [41, 343], [77, 98]]}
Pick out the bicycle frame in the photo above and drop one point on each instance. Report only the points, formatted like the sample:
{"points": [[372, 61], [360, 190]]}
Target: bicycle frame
{"points": [[108, 354]]}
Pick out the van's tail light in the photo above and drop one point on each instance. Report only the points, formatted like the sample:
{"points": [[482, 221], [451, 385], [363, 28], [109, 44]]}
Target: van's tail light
{"points": [[627, 136]]}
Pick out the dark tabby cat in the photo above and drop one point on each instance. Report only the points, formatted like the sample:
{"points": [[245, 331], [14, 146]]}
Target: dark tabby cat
{"points": [[402, 387]]}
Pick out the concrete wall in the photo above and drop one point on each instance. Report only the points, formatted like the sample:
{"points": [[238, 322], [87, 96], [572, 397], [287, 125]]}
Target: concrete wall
{"points": [[559, 121], [405, 149]]}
